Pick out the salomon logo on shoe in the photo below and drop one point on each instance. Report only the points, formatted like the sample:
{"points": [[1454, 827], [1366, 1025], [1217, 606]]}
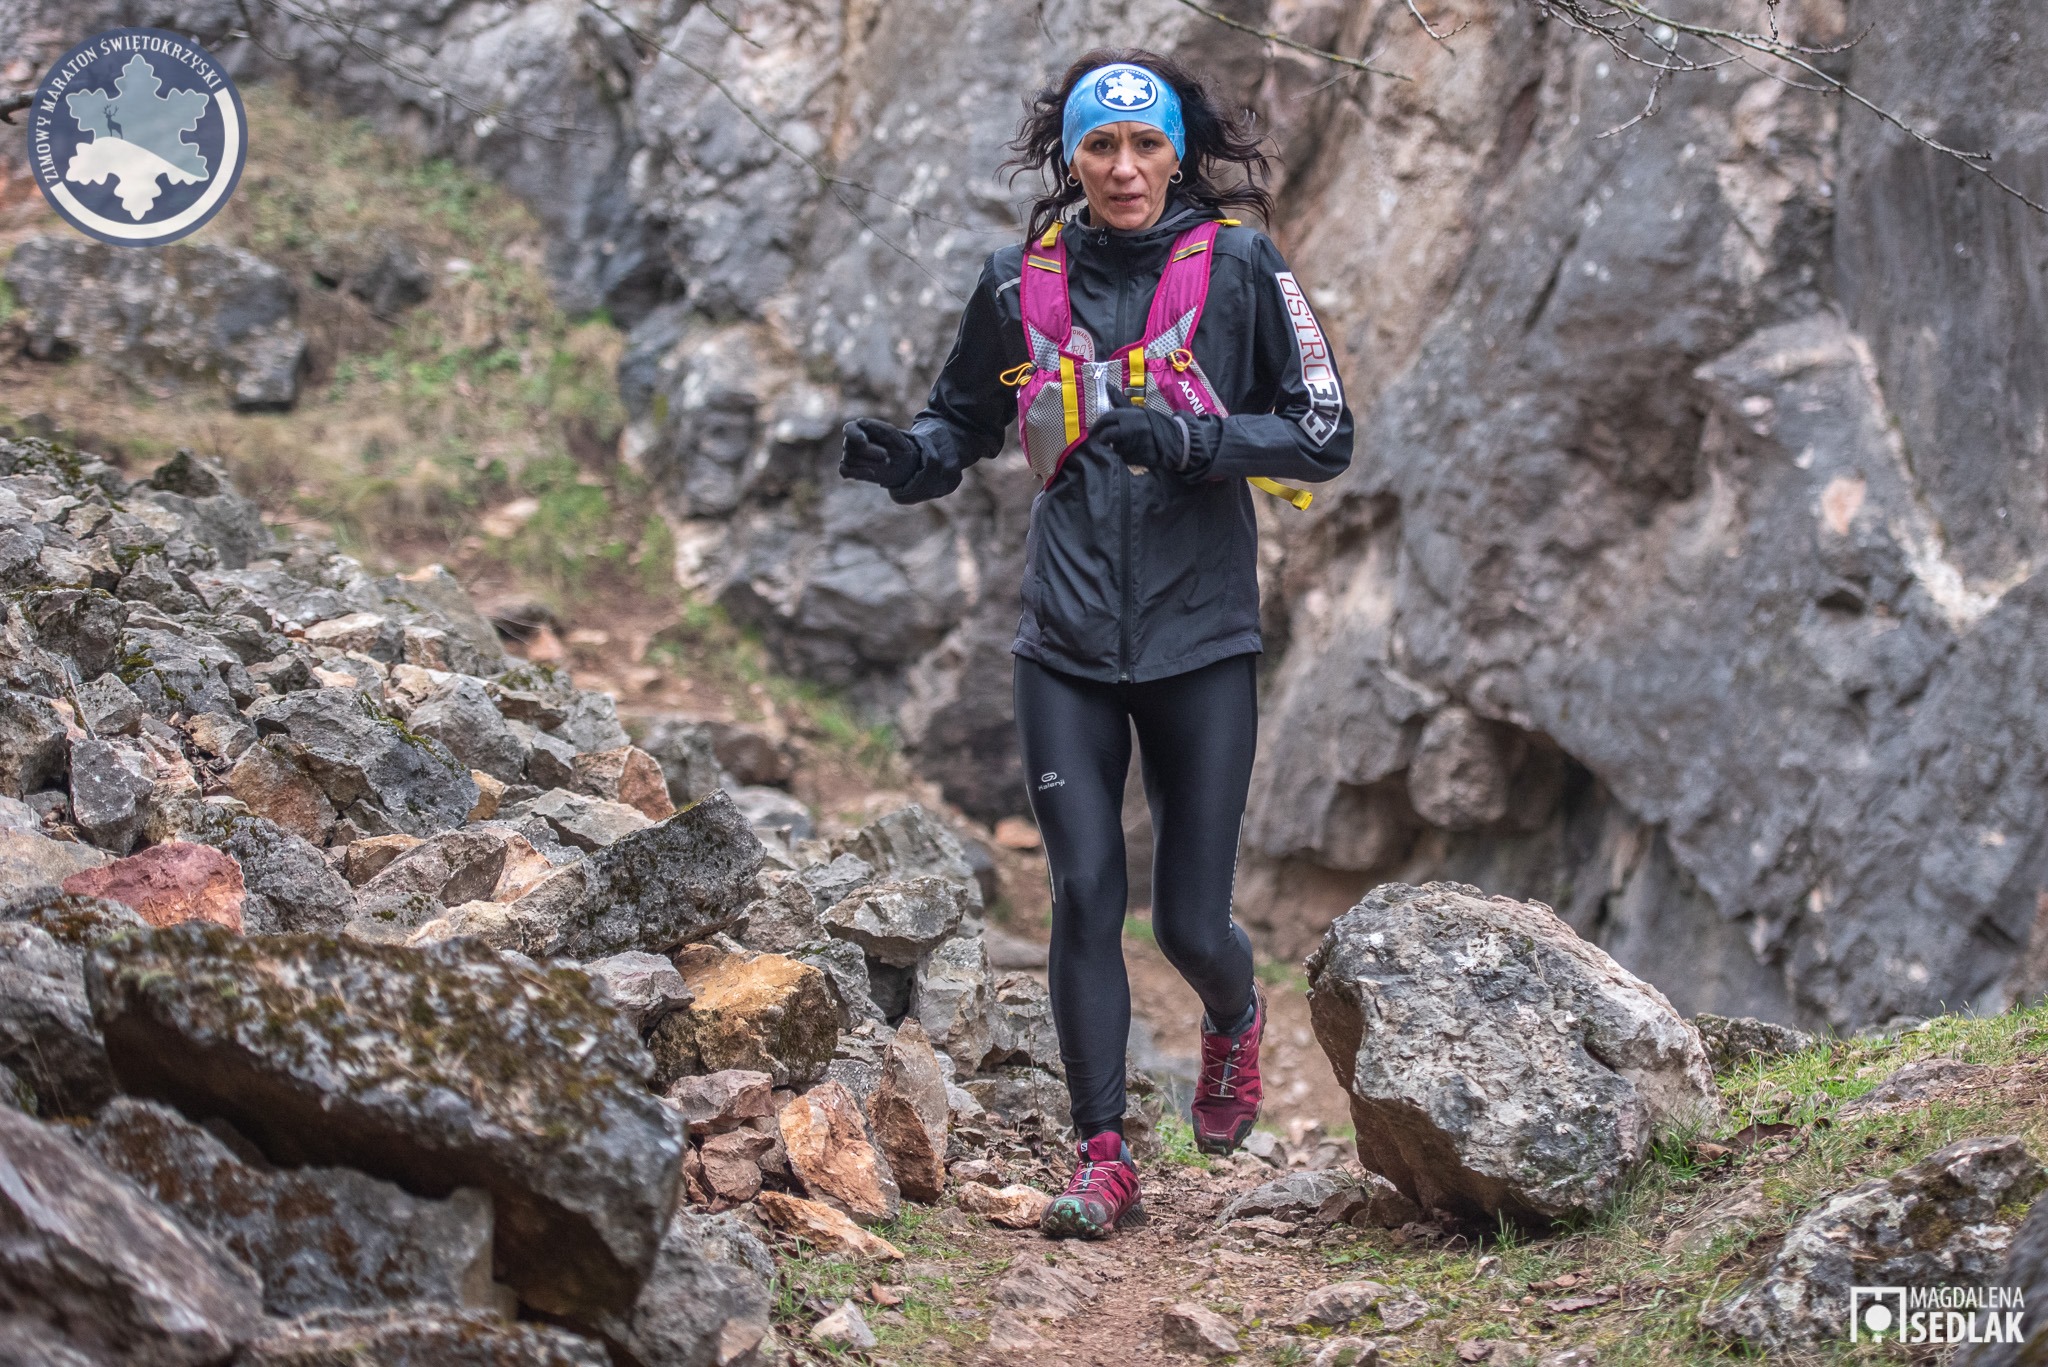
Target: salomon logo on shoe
{"points": [[1050, 780]]}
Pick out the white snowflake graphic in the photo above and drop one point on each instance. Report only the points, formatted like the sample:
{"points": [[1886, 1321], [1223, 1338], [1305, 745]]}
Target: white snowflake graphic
{"points": [[1126, 90]]}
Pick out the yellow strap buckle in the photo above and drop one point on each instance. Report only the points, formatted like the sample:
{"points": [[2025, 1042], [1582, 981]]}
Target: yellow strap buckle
{"points": [[1137, 359], [1300, 498]]}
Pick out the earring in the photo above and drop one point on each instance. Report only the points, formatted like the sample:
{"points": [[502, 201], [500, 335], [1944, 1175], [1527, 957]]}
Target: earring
{"points": [[1173, 179], [1071, 180]]}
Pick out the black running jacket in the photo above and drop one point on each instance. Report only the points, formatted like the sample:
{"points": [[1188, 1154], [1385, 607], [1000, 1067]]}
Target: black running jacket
{"points": [[1133, 574]]}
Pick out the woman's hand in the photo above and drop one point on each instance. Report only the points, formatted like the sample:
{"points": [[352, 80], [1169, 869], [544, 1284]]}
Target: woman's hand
{"points": [[878, 453], [1153, 437]]}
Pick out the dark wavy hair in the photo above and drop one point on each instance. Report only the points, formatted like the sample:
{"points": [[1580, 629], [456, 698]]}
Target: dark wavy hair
{"points": [[1214, 142]]}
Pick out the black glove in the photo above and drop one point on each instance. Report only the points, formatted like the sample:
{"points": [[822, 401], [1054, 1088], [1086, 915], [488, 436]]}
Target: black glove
{"points": [[1152, 436], [878, 453]]}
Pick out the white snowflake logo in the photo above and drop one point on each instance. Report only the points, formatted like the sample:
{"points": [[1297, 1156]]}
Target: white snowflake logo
{"points": [[1126, 89]]}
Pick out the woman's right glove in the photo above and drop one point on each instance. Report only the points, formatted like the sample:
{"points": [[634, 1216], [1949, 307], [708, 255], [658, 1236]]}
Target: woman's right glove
{"points": [[878, 453]]}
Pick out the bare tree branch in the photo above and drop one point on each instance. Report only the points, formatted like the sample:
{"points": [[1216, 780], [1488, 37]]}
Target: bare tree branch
{"points": [[11, 104], [1273, 36]]}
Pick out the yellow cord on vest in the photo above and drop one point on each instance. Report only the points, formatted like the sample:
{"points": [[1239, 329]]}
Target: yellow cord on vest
{"points": [[1017, 376], [1300, 498], [1070, 400]]}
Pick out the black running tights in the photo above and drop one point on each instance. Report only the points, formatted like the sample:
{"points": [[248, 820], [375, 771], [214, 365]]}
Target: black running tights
{"points": [[1196, 735]]}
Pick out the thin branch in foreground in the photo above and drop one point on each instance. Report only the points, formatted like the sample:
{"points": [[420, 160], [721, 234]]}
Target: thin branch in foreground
{"points": [[1274, 36]]}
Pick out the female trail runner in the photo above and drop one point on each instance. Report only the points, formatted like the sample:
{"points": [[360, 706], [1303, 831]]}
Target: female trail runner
{"points": [[1165, 369]]}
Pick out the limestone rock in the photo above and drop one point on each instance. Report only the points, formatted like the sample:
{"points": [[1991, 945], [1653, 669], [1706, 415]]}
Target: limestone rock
{"points": [[898, 923], [171, 883], [845, 1329], [681, 880], [716, 1102], [731, 1164], [364, 859], [785, 918], [1013, 1207], [461, 715], [823, 1227], [911, 842], [107, 707], [1930, 1224], [909, 1114], [1735, 1042], [32, 743], [1915, 1085], [357, 755], [270, 778], [1458, 778], [683, 748], [829, 1153], [288, 886], [1295, 1197], [1339, 1304], [707, 1300], [414, 1066], [84, 1251], [29, 860], [109, 784], [47, 1036], [588, 823], [644, 987], [626, 775], [443, 871], [846, 968], [1473, 1033], [1021, 1031], [765, 1014], [318, 1238], [422, 1337], [190, 312], [2026, 1268], [950, 997], [1191, 1328]]}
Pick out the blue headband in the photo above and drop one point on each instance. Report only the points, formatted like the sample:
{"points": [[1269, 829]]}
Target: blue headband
{"points": [[1112, 94]]}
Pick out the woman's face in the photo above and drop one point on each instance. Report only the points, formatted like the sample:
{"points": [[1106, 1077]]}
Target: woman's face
{"points": [[1124, 169]]}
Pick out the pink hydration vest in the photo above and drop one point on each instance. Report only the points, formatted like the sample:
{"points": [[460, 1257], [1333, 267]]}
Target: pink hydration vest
{"points": [[1063, 389]]}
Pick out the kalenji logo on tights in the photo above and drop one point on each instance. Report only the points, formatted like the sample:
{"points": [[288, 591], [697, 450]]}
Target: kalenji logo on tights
{"points": [[1050, 780]]}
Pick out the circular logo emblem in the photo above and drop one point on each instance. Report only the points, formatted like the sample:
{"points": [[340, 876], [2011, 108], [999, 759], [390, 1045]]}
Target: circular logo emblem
{"points": [[1127, 88], [137, 137]]}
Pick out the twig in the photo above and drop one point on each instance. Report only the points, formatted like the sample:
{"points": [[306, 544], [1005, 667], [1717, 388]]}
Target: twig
{"points": [[1427, 27], [1273, 36], [12, 103]]}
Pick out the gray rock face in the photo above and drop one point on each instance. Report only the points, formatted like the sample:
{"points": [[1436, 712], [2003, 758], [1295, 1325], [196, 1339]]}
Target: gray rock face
{"points": [[318, 1238], [899, 922], [1733, 1043], [1497, 1063], [684, 748], [585, 822], [910, 842], [186, 312], [1020, 1025], [1930, 1224], [644, 987], [357, 755], [705, 1304], [86, 1253], [290, 888], [432, 1068], [684, 879], [2026, 1267], [32, 749], [424, 1338], [47, 1036], [461, 715], [950, 996], [447, 870], [1293, 1197]]}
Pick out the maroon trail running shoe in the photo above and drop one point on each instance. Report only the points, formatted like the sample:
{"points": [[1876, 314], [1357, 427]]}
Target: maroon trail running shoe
{"points": [[1227, 1096], [1102, 1195]]}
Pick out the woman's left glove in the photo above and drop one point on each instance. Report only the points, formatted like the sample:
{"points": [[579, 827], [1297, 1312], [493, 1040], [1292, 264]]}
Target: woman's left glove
{"points": [[879, 453], [1153, 437]]}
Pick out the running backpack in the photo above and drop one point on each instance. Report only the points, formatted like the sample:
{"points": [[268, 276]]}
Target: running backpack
{"points": [[1063, 388]]}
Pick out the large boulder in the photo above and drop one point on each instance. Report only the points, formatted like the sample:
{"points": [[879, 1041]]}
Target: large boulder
{"points": [[88, 1255], [2026, 1270], [1498, 1065], [434, 1068], [402, 780], [1933, 1223], [190, 311], [318, 1238]]}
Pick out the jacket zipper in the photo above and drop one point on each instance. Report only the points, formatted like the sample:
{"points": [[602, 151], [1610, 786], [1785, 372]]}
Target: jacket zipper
{"points": [[1123, 475]]}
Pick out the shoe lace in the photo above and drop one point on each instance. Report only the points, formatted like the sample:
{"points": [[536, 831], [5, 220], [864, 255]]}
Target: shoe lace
{"points": [[1094, 1174], [1220, 1069]]}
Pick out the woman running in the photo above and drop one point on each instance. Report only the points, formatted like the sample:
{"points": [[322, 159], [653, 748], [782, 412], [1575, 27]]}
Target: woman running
{"points": [[1161, 362]]}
